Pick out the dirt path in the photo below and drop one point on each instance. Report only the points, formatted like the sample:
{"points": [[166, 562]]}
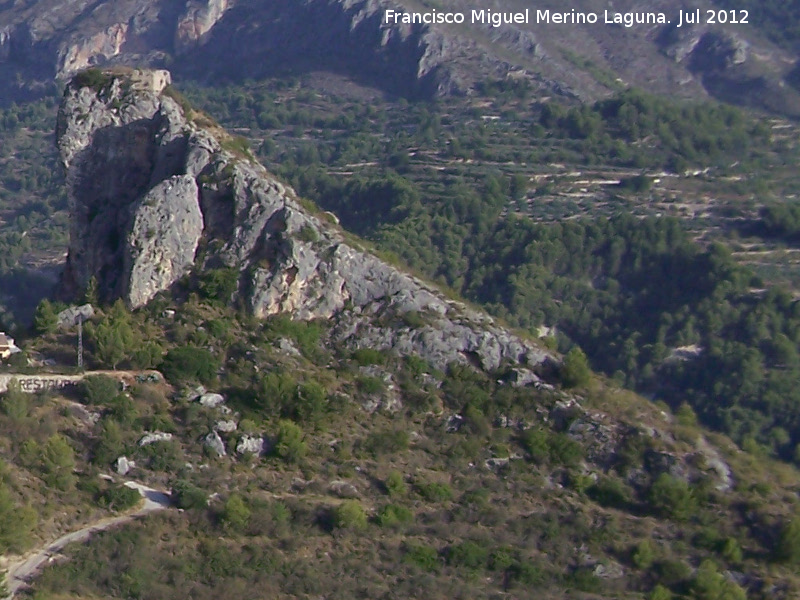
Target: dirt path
{"points": [[21, 572]]}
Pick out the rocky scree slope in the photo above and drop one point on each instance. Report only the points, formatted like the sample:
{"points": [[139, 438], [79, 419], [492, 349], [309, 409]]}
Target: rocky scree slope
{"points": [[239, 39], [157, 191]]}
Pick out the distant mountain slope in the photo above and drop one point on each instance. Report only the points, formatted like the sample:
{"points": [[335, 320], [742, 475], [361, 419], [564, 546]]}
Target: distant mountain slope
{"points": [[222, 39]]}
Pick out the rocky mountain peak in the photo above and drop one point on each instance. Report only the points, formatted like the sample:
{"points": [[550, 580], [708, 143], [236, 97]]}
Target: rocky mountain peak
{"points": [[158, 191]]}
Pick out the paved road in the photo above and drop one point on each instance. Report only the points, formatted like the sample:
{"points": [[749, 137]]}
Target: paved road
{"points": [[22, 571]]}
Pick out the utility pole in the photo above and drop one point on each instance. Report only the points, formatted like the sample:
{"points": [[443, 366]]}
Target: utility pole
{"points": [[80, 341]]}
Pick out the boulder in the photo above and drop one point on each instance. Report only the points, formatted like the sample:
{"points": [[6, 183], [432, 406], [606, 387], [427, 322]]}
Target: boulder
{"points": [[153, 437], [215, 444], [123, 466], [250, 445], [211, 400], [225, 426], [343, 489]]}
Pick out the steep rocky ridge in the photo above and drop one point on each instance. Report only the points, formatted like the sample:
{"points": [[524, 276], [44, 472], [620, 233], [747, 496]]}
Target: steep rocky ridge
{"points": [[150, 182], [215, 40]]}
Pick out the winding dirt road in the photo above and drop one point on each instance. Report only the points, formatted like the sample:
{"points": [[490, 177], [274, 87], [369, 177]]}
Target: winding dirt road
{"points": [[21, 572]]}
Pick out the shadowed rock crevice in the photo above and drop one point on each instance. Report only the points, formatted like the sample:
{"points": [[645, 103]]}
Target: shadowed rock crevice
{"points": [[106, 179]]}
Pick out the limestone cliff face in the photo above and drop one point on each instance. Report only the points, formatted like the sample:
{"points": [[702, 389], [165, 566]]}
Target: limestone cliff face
{"points": [[148, 185], [196, 22]]}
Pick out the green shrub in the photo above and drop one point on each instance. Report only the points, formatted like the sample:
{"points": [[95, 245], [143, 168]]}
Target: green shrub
{"points": [[187, 364], [643, 555], [476, 421], [575, 371], [468, 555], [788, 547], [370, 385], [393, 515], [435, 492], [289, 444], [16, 522], [310, 402], [305, 334], [280, 513], [609, 491], [100, 389], [15, 403], [120, 498], [57, 462], [109, 443], [686, 416], [188, 496], [276, 393], [416, 365], [396, 485], [527, 573], [637, 184], [235, 513], [148, 356], [45, 319], [123, 409], [308, 234], [350, 515], [564, 451], [660, 593], [237, 145], [671, 497], [501, 560], [424, 557], [388, 441], [672, 573], [535, 441], [369, 356], [731, 550], [218, 285], [93, 78], [710, 584], [585, 580], [414, 319], [165, 456]]}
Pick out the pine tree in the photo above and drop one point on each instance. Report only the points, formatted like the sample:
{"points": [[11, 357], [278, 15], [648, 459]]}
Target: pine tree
{"points": [[45, 319]]}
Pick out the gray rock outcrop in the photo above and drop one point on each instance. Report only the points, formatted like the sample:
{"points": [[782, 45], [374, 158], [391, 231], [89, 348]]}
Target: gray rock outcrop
{"points": [[227, 426], [69, 317], [146, 183], [163, 238], [211, 400], [250, 445], [123, 465], [196, 22], [214, 444], [154, 437]]}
